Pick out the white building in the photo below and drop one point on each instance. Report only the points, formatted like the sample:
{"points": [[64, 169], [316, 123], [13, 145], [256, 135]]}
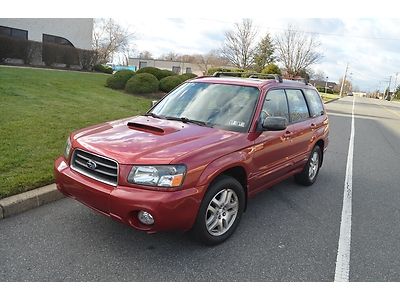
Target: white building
{"points": [[178, 67], [65, 31]]}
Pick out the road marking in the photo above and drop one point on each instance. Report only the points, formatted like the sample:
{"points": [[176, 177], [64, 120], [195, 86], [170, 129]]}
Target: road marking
{"points": [[343, 254]]}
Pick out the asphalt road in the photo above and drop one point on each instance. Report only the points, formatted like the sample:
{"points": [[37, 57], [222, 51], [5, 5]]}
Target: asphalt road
{"points": [[289, 232]]}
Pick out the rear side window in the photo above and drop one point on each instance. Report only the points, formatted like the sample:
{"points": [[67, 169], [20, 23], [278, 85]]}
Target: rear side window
{"points": [[275, 105], [314, 103], [298, 109]]}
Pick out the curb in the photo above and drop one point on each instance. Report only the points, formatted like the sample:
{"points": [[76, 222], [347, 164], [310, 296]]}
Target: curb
{"points": [[22, 202], [329, 101]]}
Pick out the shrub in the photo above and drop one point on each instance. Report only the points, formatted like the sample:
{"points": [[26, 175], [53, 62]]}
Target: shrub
{"points": [[271, 69], [119, 79], [87, 58], [103, 69], [187, 76], [14, 48], [167, 84], [165, 73], [142, 84]]}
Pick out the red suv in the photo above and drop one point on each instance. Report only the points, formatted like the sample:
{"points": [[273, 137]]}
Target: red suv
{"points": [[196, 157]]}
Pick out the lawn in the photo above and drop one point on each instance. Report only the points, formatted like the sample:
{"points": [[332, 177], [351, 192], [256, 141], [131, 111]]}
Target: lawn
{"points": [[39, 108], [327, 97]]}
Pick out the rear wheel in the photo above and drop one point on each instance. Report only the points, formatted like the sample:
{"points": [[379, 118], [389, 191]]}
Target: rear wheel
{"points": [[220, 211], [309, 174]]}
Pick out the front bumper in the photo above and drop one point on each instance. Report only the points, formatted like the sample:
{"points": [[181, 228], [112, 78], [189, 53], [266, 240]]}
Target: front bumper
{"points": [[172, 210]]}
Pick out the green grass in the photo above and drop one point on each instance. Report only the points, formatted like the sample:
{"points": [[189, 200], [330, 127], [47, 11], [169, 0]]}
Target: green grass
{"points": [[327, 97], [38, 110]]}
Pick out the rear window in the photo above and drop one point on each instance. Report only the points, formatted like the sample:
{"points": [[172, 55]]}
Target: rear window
{"points": [[298, 110], [314, 103]]}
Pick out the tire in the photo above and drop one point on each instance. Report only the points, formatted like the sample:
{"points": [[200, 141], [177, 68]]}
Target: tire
{"points": [[310, 172], [217, 219]]}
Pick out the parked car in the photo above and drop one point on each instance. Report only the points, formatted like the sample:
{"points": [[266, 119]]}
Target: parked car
{"points": [[194, 160]]}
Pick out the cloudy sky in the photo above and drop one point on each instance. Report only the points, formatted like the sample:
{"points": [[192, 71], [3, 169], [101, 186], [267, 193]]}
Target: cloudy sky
{"points": [[371, 46]]}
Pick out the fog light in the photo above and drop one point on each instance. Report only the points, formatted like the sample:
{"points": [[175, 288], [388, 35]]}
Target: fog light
{"points": [[145, 217]]}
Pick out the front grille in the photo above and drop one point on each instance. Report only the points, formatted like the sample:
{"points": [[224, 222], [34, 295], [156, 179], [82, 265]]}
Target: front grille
{"points": [[94, 166]]}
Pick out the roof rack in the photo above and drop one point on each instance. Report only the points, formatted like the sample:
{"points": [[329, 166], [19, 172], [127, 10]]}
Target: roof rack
{"points": [[276, 77], [305, 81]]}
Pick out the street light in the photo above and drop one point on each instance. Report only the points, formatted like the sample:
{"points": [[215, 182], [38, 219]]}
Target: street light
{"points": [[326, 83]]}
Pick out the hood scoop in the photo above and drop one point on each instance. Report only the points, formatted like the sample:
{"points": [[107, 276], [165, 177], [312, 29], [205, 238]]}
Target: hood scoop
{"points": [[150, 128]]}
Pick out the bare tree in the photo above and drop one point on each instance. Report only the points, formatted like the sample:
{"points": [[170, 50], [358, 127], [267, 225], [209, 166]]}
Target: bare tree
{"points": [[210, 59], [297, 50], [238, 47], [145, 55], [170, 56], [318, 75], [264, 53], [110, 38]]}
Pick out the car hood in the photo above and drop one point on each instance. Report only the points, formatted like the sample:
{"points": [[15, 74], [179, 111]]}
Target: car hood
{"points": [[147, 140]]}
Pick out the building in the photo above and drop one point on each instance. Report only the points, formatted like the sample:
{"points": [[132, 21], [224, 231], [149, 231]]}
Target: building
{"points": [[65, 31], [179, 67], [321, 84]]}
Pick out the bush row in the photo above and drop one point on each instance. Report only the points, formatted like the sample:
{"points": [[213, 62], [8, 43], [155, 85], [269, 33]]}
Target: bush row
{"points": [[143, 82], [32, 52]]}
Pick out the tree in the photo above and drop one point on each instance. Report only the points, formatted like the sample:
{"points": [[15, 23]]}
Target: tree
{"points": [[347, 86], [170, 56], [297, 50], [264, 53], [318, 76], [145, 55], [110, 38], [271, 69], [238, 47], [210, 59]]}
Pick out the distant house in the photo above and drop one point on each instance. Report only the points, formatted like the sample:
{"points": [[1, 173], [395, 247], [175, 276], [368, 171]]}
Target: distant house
{"points": [[321, 84], [62, 31], [179, 67]]}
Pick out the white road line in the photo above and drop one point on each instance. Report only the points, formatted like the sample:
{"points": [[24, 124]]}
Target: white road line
{"points": [[343, 254]]}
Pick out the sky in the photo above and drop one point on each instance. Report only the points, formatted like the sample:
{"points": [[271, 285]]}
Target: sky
{"points": [[371, 46]]}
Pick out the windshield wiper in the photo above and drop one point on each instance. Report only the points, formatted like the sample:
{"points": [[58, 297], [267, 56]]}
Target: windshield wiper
{"points": [[187, 120], [153, 115]]}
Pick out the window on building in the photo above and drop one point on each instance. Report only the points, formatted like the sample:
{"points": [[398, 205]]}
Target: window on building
{"points": [[14, 32], [298, 109], [188, 70], [48, 38], [142, 64], [176, 69]]}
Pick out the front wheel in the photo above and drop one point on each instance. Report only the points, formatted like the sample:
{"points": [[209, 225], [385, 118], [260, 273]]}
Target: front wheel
{"points": [[220, 211], [311, 169]]}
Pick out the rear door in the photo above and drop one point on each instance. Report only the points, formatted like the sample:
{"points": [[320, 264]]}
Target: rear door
{"points": [[300, 128]]}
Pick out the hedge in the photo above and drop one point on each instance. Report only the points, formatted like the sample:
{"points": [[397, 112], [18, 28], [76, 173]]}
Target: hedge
{"points": [[142, 84], [119, 79], [103, 69], [211, 71], [187, 76], [36, 52], [167, 84]]}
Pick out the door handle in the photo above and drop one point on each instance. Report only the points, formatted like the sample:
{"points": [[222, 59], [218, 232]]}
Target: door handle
{"points": [[288, 134], [313, 125]]}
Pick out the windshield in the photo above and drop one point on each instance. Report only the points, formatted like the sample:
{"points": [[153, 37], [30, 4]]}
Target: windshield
{"points": [[223, 106]]}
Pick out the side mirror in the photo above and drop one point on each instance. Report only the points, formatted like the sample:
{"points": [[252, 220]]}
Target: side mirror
{"points": [[274, 123]]}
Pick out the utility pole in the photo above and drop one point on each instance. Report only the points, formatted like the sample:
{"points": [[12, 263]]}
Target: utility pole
{"points": [[390, 81], [343, 81]]}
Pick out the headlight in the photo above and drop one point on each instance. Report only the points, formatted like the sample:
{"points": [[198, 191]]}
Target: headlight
{"points": [[163, 175], [67, 148]]}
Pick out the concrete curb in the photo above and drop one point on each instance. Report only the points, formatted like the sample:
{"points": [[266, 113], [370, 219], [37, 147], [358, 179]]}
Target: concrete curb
{"points": [[22, 202], [329, 101]]}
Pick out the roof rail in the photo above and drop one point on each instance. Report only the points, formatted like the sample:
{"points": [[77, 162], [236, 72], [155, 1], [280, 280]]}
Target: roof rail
{"points": [[305, 81], [277, 77]]}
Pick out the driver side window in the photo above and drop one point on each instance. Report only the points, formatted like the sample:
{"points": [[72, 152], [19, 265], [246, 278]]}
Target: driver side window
{"points": [[275, 105]]}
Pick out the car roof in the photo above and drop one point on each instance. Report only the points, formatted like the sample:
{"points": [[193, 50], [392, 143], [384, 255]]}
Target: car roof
{"points": [[252, 82]]}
